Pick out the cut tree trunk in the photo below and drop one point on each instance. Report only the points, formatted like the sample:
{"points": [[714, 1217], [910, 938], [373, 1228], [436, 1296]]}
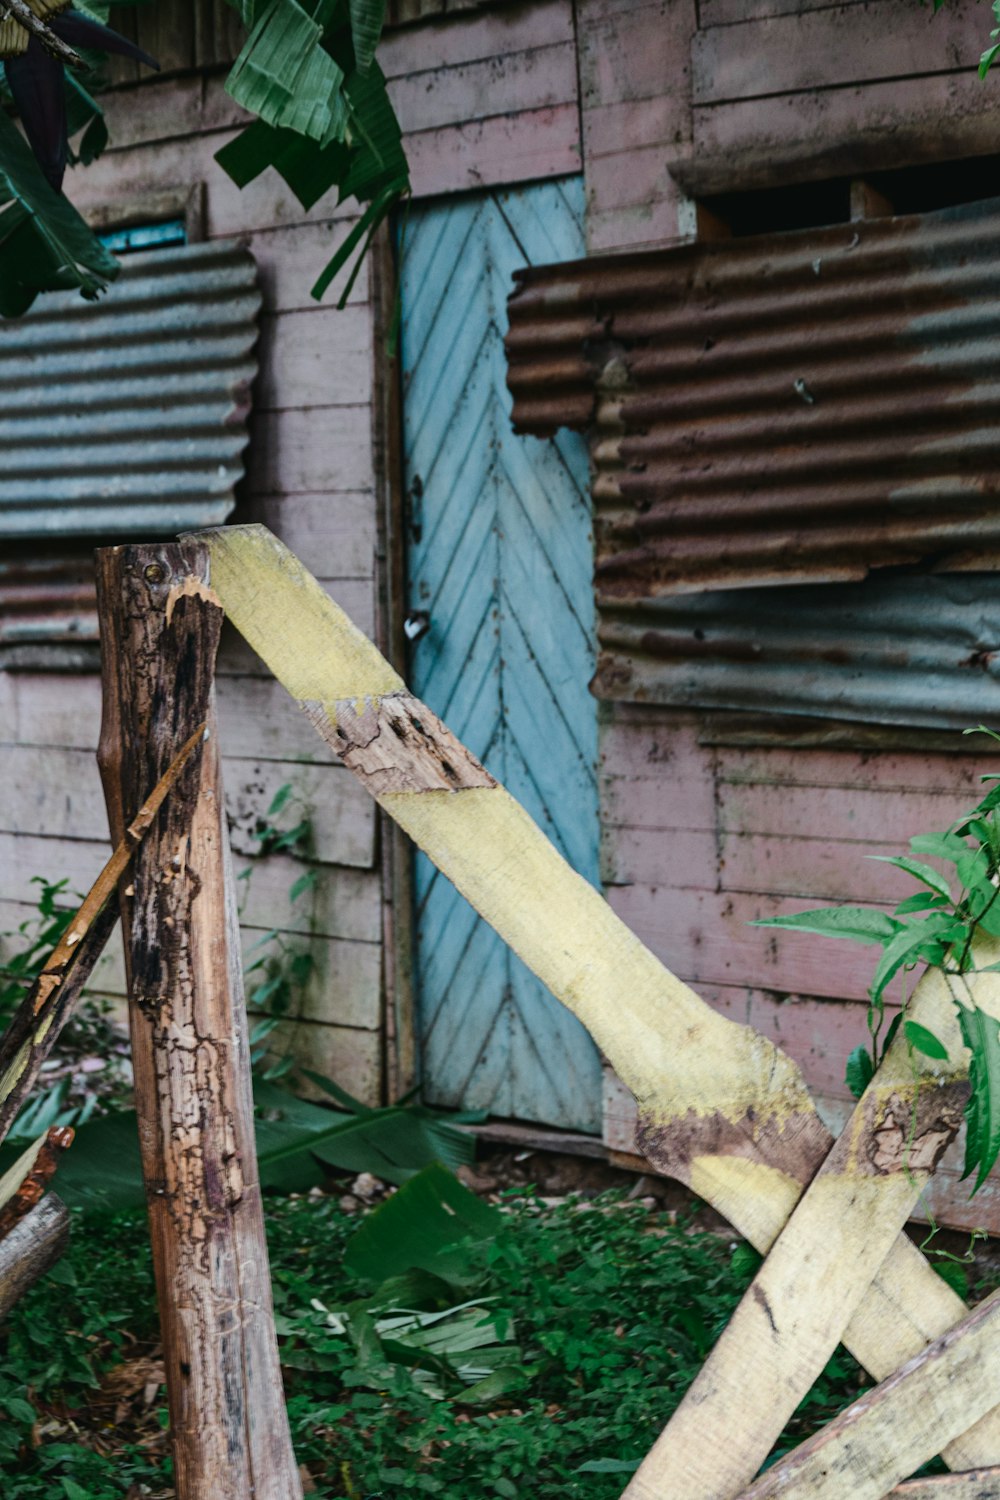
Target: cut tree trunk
{"points": [[32, 1246], [159, 634]]}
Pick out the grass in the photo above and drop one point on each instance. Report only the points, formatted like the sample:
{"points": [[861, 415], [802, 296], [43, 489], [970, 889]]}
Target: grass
{"points": [[613, 1309]]}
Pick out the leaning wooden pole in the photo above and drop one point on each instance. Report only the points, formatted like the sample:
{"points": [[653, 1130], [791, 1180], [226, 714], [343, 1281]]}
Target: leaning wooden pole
{"points": [[159, 635]]}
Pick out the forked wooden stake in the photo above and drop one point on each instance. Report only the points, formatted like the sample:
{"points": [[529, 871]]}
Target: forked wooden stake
{"points": [[159, 633]]}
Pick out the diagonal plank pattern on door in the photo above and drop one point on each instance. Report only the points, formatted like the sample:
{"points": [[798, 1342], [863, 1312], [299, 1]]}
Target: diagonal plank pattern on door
{"points": [[499, 555]]}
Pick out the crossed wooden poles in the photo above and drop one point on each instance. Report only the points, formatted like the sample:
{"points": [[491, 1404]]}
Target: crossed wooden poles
{"points": [[720, 1107]]}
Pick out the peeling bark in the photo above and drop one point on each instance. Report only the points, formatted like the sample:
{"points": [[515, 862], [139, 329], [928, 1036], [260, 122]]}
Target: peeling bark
{"points": [[160, 627]]}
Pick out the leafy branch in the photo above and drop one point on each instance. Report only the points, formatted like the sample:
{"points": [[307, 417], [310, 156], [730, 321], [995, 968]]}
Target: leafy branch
{"points": [[934, 926]]}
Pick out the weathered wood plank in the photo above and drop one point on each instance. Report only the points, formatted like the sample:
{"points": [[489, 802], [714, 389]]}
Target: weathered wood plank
{"points": [[310, 451], [955, 775], [337, 527], [290, 259], [494, 151], [752, 1139], [229, 1429], [731, 12], [356, 595], [351, 1058], [342, 819], [321, 357], [838, 812], [842, 131], [58, 791], [841, 44], [792, 1317], [900, 1425], [455, 40], [684, 857], [344, 988], [504, 84], [815, 870], [973, 1484], [704, 937], [343, 903]]}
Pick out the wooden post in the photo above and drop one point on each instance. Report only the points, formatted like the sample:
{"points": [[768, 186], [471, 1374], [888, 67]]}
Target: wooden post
{"points": [[159, 634]]}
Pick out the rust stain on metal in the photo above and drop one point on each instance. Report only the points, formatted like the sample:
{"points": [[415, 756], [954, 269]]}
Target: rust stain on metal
{"points": [[791, 408]]}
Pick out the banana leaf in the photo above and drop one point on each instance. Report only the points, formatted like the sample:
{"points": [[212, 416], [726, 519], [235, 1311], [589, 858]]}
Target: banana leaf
{"points": [[44, 243], [295, 1138]]}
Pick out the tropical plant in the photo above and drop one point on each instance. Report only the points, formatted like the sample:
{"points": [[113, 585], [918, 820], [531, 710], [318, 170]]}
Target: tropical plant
{"points": [[307, 71], [937, 925]]}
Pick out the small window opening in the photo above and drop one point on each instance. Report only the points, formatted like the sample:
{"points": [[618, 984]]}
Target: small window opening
{"points": [[814, 205], [145, 236]]}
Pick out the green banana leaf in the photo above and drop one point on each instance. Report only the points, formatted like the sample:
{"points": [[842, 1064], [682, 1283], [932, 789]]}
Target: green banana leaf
{"points": [[44, 243], [295, 1139]]}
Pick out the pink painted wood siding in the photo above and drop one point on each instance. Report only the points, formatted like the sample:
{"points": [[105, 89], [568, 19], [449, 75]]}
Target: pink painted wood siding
{"points": [[700, 839]]}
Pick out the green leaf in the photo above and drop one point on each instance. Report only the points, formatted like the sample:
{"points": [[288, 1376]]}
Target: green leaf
{"points": [[919, 901], [988, 58], [336, 1092], [925, 1041], [428, 1224], [981, 1034], [304, 883], [284, 75], [859, 1072], [973, 868], [941, 845], [609, 1466], [921, 939], [502, 1382], [367, 17], [279, 799], [915, 867], [859, 923], [955, 1275], [44, 243]]}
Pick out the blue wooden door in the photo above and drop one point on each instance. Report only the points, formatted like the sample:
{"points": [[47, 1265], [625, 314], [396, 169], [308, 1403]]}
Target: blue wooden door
{"points": [[500, 561]]}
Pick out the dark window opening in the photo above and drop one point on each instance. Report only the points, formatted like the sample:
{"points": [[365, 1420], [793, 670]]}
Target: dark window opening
{"points": [[145, 236], [813, 205]]}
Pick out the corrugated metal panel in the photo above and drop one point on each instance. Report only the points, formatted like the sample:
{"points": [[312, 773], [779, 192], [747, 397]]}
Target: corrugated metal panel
{"points": [[890, 650], [789, 408], [127, 416], [47, 598]]}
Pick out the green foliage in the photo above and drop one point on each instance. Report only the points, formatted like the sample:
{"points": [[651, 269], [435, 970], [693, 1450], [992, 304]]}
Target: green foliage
{"points": [[307, 71], [935, 926], [37, 936], [610, 1310], [325, 118]]}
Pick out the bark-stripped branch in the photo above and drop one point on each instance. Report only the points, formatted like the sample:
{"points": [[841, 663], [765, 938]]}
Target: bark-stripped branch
{"points": [[20, 11], [47, 1006]]}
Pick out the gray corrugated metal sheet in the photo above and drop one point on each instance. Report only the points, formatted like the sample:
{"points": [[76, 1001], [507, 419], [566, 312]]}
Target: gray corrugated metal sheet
{"points": [[793, 407], [127, 416], [890, 650]]}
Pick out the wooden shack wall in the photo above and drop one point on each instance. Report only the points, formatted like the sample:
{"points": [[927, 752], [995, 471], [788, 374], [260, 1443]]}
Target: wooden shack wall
{"points": [[660, 102], [485, 97], [706, 828]]}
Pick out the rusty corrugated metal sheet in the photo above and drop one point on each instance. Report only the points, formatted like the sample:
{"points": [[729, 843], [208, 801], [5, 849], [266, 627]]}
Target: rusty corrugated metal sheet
{"points": [[47, 598], [888, 650], [127, 416], [800, 407]]}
